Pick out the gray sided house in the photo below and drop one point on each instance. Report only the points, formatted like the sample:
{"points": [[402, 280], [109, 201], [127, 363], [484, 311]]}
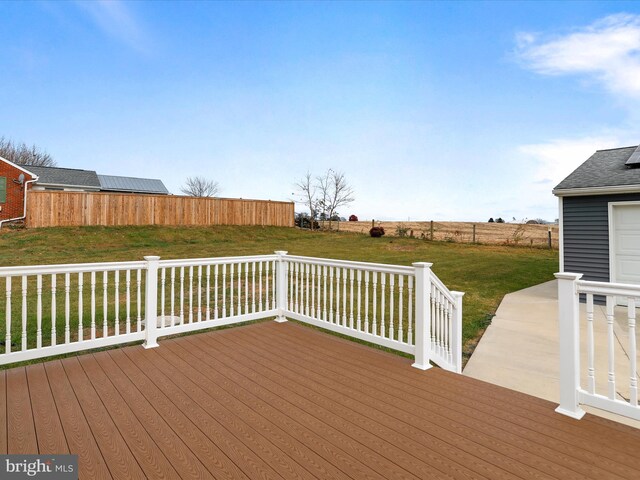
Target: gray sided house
{"points": [[599, 207]]}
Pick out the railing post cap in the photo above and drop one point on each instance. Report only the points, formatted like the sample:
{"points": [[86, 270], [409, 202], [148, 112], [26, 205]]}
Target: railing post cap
{"points": [[568, 276], [281, 252], [422, 264], [152, 258], [457, 294]]}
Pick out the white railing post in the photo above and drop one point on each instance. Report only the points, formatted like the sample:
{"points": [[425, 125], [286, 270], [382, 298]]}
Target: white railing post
{"points": [[151, 303], [281, 286], [456, 332], [569, 337], [423, 315]]}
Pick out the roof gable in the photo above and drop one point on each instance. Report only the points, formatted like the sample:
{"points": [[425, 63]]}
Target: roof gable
{"points": [[604, 169], [19, 167]]}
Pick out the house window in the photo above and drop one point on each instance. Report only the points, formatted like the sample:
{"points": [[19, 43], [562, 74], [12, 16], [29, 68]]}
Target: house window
{"points": [[3, 189]]}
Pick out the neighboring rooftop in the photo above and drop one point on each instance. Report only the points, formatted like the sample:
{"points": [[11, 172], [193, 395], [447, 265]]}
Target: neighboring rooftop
{"points": [[605, 168], [114, 183], [65, 176]]}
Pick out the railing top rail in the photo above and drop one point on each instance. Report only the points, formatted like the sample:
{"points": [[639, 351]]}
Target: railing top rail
{"points": [[70, 268], [442, 287], [189, 262], [380, 267], [605, 288]]}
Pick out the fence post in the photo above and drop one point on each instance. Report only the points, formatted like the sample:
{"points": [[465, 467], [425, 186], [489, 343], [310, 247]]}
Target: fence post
{"points": [[569, 339], [423, 315], [281, 286], [151, 303], [456, 332]]}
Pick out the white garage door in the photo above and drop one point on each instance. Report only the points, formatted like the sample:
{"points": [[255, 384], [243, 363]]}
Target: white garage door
{"points": [[626, 243]]}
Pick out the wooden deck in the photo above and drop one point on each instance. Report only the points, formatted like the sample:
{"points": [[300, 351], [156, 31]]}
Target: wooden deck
{"points": [[284, 401]]}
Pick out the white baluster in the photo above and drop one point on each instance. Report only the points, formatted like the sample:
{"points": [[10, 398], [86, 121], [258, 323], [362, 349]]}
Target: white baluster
{"points": [[611, 383], [374, 326], [182, 295], [80, 306], [338, 287], [591, 371], [128, 308], [392, 285], [93, 305], [260, 296], [54, 333], [366, 301], [400, 302], [344, 297], [351, 275], [312, 306], [208, 317], [199, 293], [306, 278], [331, 273], [239, 289], [633, 355], [105, 303], [163, 282], [139, 299], [173, 295], [191, 294], [24, 312], [359, 318], [215, 292], [39, 311], [117, 301], [7, 339], [224, 290], [324, 294], [232, 283], [298, 289], [410, 311], [383, 283], [246, 288], [253, 286]]}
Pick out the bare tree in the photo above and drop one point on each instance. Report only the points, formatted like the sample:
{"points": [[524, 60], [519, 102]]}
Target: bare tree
{"points": [[22, 154], [308, 189], [334, 192], [200, 187], [341, 194]]}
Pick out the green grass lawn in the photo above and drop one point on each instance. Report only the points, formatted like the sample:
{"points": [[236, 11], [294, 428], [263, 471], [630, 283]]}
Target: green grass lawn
{"points": [[485, 272]]}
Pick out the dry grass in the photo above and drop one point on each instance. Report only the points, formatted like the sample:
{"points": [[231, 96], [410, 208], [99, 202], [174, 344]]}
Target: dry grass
{"points": [[462, 232]]}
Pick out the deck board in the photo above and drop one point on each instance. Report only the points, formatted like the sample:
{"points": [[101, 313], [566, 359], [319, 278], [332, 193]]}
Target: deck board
{"points": [[282, 401], [21, 431], [50, 436]]}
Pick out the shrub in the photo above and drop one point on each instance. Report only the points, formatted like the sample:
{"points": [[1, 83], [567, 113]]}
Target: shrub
{"points": [[376, 232], [499, 220], [491, 220], [401, 231], [353, 218]]}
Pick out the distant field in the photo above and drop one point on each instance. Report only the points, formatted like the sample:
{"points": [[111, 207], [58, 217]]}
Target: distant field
{"points": [[485, 272], [489, 233]]}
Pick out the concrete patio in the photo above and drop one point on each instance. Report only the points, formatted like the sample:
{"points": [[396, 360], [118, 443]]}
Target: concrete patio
{"points": [[520, 350]]}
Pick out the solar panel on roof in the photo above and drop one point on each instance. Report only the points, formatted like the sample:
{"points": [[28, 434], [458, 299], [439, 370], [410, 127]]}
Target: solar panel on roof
{"points": [[634, 159]]}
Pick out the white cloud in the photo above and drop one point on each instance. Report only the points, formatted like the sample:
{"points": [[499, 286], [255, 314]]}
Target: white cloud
{"points": [[607, 50], [115, 19], [556, 159]]}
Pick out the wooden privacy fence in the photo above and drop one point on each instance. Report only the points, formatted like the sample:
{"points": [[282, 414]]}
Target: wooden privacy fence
{"points": [[61, 209]]}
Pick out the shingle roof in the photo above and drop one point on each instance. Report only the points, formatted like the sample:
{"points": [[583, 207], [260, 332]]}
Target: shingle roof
{"points": [[131, 184], [65, 176], [605, 168]]}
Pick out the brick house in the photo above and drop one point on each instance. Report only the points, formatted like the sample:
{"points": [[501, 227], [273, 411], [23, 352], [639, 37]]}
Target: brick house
{"points": [[14, 181]]}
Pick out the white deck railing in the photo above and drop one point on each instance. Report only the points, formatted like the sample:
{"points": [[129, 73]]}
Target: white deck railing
{"points": [[58, 309], [605, 338]]}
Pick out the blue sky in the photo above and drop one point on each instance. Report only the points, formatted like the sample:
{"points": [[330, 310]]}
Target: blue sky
{"points": [[445, 111]]}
